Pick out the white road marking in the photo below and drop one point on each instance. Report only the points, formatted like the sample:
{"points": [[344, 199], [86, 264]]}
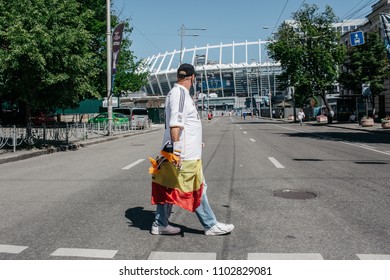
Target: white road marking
{"points": [[288, 128], [85, 253], [373, 257], [271, 256], [133, 164], [275, 162], [364, 147], [181, 256], [245, 132], [367, 146], [11, 249], [253, 140]]}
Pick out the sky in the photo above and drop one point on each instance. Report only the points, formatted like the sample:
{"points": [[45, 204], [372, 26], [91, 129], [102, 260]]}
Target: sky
{"points": [[156, 23]]}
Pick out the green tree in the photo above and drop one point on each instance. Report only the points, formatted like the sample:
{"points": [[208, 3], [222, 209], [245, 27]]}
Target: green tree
{"points": [[96, 25], [45, 55], [53, 53], [366, 63], [309, 53]]}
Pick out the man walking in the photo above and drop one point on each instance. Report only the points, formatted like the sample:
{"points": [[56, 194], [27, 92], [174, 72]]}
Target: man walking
{"points": [[178, 175], [301, 116]]}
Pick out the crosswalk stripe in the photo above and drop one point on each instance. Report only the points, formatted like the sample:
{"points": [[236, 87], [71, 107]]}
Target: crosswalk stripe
{"points": [[295, 256], [85, 253], [11, 249], [182, 256], [373, 257], [109, 254]]}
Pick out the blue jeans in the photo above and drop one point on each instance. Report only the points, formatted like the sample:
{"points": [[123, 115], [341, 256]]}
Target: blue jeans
{"points": [[204, 212]]}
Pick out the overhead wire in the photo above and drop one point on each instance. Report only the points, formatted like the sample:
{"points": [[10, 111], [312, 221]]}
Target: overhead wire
{"points": [[280, 16], [346, 14], [137, 29], [354, 13], [277, 22]]}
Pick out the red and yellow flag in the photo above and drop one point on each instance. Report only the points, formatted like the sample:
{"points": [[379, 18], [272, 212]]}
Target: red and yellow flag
{"points": [[182, 187]]}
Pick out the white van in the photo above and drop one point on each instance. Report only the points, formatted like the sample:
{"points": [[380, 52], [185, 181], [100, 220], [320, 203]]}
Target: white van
{"points": [[138, 117]]}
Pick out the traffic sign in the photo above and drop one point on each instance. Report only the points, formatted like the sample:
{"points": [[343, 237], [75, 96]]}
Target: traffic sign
{"points": [[356, 38]]}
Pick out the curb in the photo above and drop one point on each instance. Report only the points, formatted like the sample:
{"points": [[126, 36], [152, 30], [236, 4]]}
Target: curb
{"points": [[376, 131]]}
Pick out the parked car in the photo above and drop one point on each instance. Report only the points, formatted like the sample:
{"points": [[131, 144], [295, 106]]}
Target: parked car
{"points": [[117, 118], [42, 118], [138, 117]]}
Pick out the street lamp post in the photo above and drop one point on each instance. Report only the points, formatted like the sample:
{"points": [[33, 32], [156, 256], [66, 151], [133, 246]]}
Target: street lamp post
{"points": [[182, 33], [109, 97], [269, 93]]}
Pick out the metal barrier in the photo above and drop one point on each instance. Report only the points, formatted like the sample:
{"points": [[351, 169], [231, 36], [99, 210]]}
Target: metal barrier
{"points": [[12, 137]]}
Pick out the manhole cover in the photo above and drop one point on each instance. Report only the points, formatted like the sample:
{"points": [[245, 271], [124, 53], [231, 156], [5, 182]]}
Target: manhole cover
{"points": [[294, 194]]}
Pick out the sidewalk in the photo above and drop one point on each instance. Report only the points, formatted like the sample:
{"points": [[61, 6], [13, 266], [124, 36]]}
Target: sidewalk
{"points": [[377, 128], [9, 156]]}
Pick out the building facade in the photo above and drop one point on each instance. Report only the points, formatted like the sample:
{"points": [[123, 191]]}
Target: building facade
{"points": [[372, 24]]}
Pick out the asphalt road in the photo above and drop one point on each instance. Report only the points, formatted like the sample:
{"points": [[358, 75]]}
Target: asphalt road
{"points": [[94, 203]]}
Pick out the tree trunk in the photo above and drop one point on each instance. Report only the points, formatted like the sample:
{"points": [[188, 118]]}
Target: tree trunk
{"points": [[330, 110], [372, 97]]}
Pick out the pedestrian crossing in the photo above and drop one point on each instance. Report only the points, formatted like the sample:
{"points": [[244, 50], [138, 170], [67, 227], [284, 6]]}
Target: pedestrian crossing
{"points": [[84, 253], [11, 249], [89, 253], [254, 256]]}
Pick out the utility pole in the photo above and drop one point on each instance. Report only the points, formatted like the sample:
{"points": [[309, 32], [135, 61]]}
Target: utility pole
{"points": [[269, 94], [109, 63]]}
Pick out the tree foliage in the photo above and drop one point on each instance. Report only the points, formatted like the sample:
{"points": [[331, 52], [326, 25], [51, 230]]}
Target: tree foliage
{"points": [[53, 53], [366, 63], [309, 52], [45, 53]]}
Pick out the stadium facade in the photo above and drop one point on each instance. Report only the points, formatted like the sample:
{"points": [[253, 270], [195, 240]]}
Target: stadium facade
{"points": [[228, 74]]}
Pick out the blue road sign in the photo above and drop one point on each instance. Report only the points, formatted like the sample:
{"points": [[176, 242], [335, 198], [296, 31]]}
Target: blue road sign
{"points": [[356, 38]]}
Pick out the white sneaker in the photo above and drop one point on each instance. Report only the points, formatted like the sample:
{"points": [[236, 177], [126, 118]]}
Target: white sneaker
{"points": [[168, 230], [219, 229]]}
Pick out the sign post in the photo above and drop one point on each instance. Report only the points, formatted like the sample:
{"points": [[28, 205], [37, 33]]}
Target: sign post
{"points": [[366, 92]]}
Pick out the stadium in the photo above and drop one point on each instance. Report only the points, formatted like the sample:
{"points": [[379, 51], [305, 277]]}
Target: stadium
{"points": [[229, 76]]}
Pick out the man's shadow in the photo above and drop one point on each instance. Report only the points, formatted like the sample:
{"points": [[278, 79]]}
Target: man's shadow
{"points": [[143, 219], [140, 218]]}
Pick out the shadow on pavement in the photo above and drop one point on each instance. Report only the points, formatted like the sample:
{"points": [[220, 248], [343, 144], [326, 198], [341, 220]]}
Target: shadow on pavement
{"points": [[143, 220], [354, 137], [140, 218]]}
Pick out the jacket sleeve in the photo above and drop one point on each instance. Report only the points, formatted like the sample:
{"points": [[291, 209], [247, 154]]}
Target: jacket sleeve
{"points": [[176, 103]]}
